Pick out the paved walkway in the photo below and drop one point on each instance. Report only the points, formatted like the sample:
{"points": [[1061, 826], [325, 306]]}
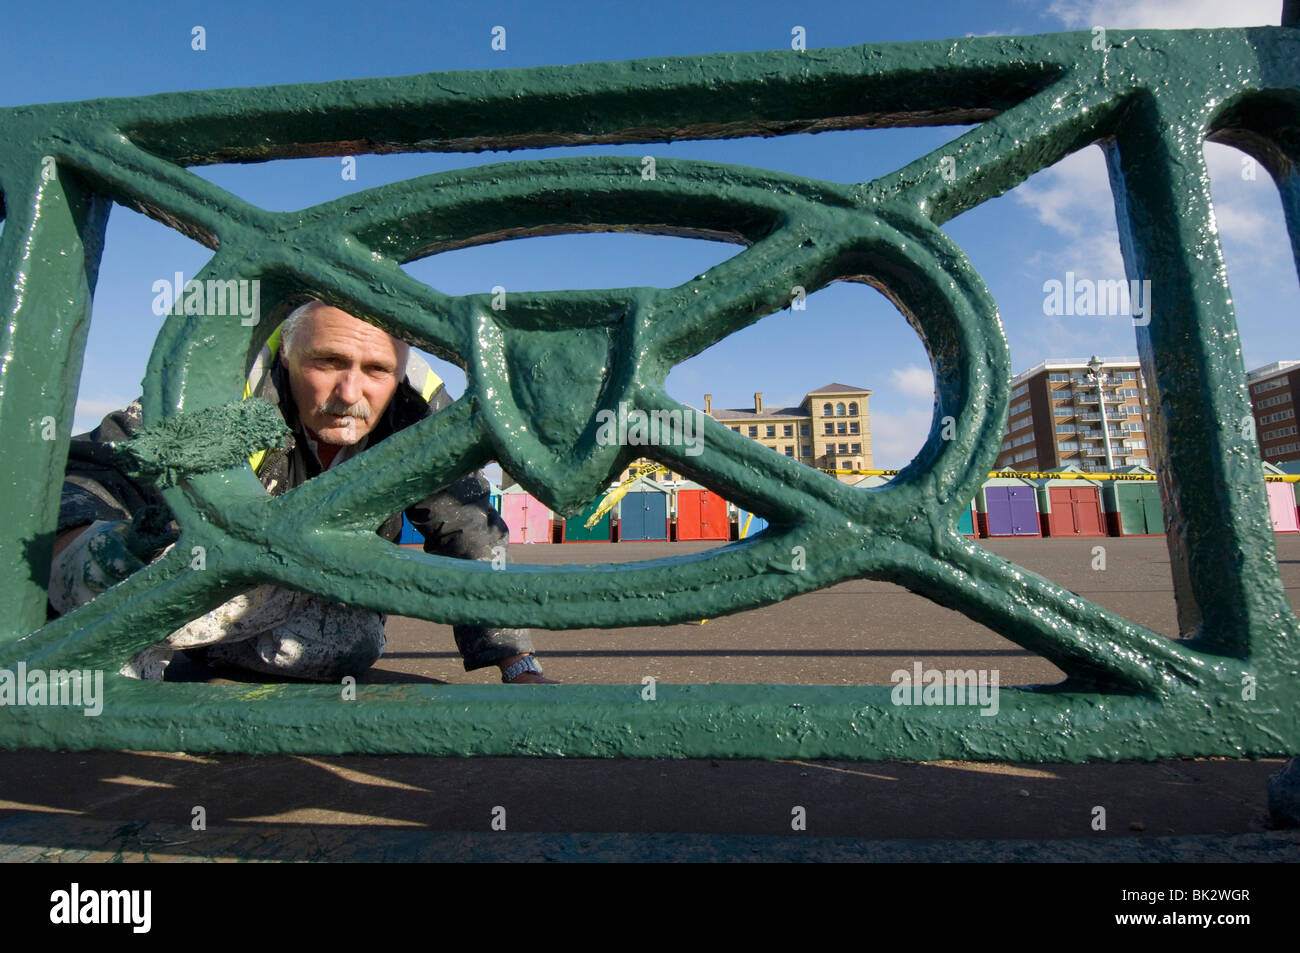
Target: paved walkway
{"points": [[133, 805]]}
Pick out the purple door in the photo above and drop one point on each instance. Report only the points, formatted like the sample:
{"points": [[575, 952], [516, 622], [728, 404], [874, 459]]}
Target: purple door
{"points": [[1011, 511]]}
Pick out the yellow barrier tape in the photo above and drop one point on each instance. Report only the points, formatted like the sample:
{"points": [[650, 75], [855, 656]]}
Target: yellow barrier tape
{"points": [[1048, 475], [620, 491]]}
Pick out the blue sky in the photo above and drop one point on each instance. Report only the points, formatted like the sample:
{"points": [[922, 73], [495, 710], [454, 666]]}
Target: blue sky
{"points": [[1060, 220]]}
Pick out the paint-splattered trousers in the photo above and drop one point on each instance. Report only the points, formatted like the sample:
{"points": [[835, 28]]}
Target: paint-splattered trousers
{"points": [[279, 631]]}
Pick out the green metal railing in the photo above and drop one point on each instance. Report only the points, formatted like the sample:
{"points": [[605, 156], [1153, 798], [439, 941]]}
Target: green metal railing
{"points": [[539, 371]]}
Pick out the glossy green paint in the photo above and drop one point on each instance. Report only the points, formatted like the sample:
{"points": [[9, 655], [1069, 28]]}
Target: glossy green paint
{"points": [[541, 366]]}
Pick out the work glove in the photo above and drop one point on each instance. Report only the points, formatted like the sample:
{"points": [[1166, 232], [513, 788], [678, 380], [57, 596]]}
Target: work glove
{"points": [[98, 559], [104, 554]]}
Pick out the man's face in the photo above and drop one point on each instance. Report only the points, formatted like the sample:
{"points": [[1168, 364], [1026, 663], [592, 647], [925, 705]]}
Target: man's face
{"points": [[342, 373]]}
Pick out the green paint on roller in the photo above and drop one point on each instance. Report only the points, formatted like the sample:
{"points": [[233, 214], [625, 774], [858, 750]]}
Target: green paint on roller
{"points": [[205, 441]]}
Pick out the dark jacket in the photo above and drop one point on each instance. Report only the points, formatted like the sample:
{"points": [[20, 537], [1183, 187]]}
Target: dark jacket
{"points": [[455, 521]]}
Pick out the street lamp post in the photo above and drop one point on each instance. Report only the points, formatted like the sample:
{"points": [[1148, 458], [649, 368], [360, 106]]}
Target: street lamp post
{"points": [[1101, 377]]}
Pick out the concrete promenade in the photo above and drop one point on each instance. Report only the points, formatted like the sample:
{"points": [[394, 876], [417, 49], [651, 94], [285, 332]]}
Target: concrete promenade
{"points": [[139, 805]]}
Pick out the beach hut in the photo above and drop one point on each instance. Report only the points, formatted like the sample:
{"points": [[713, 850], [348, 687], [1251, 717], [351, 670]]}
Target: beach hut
{"points": [[410, 535], [748, 524], [1292, 468], [1133, 507], [528, 517], [1007, 506], [1281, 502], [701, 513], [574, 529], [643, 512], [1070, 508]]}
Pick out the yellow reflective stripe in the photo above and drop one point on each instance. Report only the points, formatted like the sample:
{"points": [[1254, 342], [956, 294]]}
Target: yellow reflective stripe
{"points": [[270, 349], [430, 385]]}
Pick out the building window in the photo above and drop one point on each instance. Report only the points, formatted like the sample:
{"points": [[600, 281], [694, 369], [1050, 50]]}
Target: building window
{"points": [[844, 448], [805, 451], [839, 410], [853, 427], [805, 430], [789, 451], [1058, 378], [753, 432], [771, 430], [853, 410], [830, 428], [855, 448], [841, 428], [830, 448], [737, 429], [787, 430], [826, 410]]}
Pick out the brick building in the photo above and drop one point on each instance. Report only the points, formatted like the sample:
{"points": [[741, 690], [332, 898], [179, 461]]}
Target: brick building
{"points": [[1055, 417]]}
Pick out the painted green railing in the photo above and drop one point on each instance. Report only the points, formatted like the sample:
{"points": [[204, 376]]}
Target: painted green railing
{"points": [[539, 371]]}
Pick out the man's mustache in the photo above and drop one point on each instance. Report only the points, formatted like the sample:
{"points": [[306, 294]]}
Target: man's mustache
{"points": [[336, 408]]}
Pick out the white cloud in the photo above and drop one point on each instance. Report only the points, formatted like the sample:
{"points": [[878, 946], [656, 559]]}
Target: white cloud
{"points": [[1242, 224], [1073, 198], [914, 381], [1226, 163], [1166, 14], [896, 438], [1246, 211]]}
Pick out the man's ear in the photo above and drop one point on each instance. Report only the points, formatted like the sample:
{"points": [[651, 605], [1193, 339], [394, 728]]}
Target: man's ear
{"points": [[284, 361]]}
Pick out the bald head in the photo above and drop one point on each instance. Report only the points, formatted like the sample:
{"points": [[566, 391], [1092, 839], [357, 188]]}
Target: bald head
{"points": [[293, 324]]}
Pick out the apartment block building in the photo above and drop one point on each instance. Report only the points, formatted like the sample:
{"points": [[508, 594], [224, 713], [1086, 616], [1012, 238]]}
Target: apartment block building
{"points": [[1056, 415], [830, 429], [1273, 389]]}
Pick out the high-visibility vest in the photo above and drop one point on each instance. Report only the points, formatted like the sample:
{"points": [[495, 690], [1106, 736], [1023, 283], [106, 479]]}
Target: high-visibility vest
{"points": [[418, 374]]}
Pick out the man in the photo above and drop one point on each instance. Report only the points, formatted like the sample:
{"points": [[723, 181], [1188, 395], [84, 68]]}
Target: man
{"points": [[341, 385]]}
